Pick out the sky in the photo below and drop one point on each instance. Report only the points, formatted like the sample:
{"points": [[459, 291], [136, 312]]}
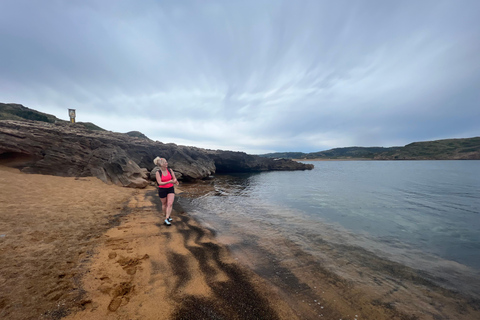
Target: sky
{"points": [[255, 76]]}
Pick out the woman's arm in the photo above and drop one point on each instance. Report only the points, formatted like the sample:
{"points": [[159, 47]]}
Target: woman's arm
{"points": [[174, 179]]}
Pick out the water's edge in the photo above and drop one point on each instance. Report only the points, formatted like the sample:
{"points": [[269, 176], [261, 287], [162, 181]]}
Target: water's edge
{"points": [[332, 251], [306, 259]]}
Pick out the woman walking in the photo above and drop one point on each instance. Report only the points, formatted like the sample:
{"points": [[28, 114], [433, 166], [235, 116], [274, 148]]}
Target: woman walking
{"points": [[165, 180]]}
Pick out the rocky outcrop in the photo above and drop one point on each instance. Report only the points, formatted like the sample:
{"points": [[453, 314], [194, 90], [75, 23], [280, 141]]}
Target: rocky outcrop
{"points": [[65, 149], [230, 161], [68, 150]]}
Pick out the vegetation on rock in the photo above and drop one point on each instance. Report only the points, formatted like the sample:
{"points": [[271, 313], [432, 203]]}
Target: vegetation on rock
{"points": [[448, 149], [13, 111]]}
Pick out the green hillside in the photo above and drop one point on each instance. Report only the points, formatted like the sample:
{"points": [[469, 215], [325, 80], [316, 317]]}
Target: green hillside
{"points": [[350, 153], [285, 155], [448, 149], [137, 134], [13, 111], [437, 150], [337, 153]]}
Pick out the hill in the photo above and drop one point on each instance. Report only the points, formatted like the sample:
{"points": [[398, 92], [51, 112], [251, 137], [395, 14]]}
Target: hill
{"points": [[337, 153], [448, 149], [137, 134], [13, 111]]}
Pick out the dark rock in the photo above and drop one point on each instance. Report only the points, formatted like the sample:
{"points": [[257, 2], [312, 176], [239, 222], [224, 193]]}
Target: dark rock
{"points": [[230, 161], [66, 149]]}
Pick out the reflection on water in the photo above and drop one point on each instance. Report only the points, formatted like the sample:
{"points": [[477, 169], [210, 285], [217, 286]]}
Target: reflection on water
{"points": [[423, 214]]}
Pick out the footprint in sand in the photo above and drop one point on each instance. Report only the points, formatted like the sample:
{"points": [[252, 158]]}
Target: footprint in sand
{"points": [[130, 264], [120, 294]]}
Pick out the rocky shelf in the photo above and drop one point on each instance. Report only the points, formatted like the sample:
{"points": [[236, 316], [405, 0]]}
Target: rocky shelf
{"points": [[65, 149]]}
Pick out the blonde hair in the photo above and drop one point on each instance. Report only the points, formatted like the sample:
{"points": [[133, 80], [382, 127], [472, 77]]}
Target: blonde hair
{"points": [[159, 161]]}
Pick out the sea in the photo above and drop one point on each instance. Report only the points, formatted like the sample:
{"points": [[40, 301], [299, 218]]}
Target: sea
{"points": [[424, 215]]}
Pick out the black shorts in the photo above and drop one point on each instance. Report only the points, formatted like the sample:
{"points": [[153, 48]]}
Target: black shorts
{"points": [[162, 192]]}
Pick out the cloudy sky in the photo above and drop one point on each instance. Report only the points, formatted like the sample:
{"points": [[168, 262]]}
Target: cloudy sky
{"points": [[255, 76]]}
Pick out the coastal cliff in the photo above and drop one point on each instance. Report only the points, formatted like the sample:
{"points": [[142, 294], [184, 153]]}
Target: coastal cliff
{"points": [[64, 149]]}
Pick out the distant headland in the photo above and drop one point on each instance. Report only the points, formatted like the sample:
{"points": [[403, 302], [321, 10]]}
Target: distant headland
{"points": [[448, 149]]}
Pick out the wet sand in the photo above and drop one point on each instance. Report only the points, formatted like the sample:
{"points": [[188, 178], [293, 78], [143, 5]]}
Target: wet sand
{"points": [[80, 249]]}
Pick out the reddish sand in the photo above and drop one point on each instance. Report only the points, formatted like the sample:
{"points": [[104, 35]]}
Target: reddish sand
{"points": [[81, 249]]}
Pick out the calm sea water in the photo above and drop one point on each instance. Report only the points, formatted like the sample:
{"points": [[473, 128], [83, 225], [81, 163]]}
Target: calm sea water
{"points": [[424, 214]]}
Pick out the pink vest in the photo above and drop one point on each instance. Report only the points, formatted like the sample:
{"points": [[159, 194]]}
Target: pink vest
{"points": [[163, 178]]}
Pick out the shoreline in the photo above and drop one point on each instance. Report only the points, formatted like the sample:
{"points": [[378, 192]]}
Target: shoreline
{"points": [[102, 252], [363, 159], [350, 159], [344, 278]]}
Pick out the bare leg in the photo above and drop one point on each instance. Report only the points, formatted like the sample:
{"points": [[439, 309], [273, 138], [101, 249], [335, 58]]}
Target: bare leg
{"points": [[169, 201], [164, 206]]}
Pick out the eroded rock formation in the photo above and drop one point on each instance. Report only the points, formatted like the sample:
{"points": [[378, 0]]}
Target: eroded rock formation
{"points": [[69, 150], [64, 149]]}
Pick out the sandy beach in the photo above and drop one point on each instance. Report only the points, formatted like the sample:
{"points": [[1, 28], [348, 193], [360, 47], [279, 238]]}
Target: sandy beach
{"points": [[80, 249], [77, 248]]}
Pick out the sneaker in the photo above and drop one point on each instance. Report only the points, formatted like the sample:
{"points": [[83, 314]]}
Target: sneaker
{"points": [[170, 219], [167, 222]]}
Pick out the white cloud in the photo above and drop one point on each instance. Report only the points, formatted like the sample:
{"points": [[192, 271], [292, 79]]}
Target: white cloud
{"points": [[248, 75]]}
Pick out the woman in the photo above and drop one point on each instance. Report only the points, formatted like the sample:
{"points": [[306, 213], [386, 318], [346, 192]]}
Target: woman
{"points": [[165, 180]]}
